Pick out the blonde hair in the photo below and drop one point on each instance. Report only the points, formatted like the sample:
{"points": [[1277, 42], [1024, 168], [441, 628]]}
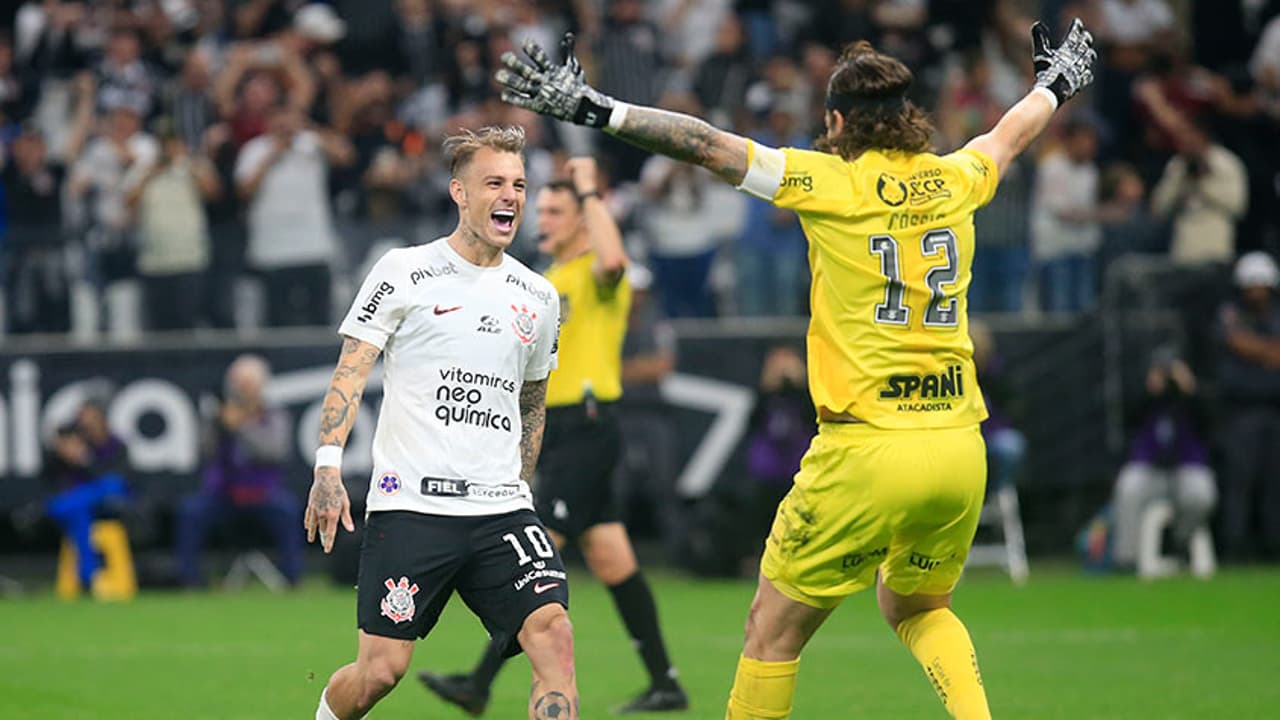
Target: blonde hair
{"points": [[460, 148]]}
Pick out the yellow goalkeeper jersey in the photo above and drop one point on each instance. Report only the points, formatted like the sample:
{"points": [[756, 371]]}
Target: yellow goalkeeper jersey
{"points": [[890, 249]]}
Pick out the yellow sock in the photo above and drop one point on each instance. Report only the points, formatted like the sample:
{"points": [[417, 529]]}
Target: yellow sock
{"points": [[940, 642], [762, 690]]}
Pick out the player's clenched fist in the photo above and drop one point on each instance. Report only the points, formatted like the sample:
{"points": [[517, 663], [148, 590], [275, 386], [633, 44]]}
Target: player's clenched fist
{"points": [[582, 172], [327, 504]]}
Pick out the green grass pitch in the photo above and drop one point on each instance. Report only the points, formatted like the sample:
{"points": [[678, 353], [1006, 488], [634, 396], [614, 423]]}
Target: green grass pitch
{"points": [[1065, 646]]}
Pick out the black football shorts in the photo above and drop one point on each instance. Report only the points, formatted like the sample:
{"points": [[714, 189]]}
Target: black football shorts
{"points": [[503, 566], [579, 455]]}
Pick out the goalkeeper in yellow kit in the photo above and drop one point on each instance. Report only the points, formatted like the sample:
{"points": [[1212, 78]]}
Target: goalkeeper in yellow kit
{"points": [[894, 480]]}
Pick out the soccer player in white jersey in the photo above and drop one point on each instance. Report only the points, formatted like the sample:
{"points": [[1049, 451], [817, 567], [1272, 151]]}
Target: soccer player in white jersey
{"points": [[469, 336]]}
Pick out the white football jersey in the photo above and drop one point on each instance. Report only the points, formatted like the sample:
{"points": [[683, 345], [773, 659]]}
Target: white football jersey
{"points": [[458, 341]]}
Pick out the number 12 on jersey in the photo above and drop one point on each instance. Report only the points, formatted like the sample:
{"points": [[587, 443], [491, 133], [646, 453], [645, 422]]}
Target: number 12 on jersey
{"points": [[943, 308]]}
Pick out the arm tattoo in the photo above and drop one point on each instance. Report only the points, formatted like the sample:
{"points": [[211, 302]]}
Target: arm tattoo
{"points": [[533, 418], [687, 139], [345, 390], [555, 705]]}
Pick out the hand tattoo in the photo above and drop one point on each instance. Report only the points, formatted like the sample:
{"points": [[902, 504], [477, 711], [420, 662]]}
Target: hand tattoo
{"points": [[327, 491]]}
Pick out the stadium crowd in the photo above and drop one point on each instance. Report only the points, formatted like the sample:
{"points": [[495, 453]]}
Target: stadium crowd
{"points": [[223, 163], [176, 164]]}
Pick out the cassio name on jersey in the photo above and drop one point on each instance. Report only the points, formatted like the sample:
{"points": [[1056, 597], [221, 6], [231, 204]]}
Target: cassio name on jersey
{"points": [[458, 342]]}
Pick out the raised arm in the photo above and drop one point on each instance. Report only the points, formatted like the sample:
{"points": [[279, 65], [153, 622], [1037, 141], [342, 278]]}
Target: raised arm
{"points": [[1060, 74], [328, 502], [602, 230], [562, 92]]}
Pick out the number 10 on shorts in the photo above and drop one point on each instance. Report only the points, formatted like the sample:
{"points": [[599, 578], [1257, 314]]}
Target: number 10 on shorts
{"points": [[537, 538]]}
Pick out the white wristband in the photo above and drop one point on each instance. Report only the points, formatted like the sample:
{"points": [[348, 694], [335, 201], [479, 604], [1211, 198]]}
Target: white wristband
{"points": [[617, 116], [1048, 94], [329, 456]]}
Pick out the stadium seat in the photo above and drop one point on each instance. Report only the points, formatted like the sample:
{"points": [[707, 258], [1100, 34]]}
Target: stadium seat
{"points": [[1152, 563], [115, 580], [1002, 513]]}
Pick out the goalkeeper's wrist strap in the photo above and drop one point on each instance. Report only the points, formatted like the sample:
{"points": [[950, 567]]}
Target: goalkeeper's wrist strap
{"points": [[329, 456], [1049, 94]]}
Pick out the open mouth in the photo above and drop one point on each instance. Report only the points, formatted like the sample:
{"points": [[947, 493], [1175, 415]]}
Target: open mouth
{"points": [[503, 220]]}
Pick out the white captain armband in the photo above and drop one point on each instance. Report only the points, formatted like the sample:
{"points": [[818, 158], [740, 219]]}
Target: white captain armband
{"points": [[764, 174]]}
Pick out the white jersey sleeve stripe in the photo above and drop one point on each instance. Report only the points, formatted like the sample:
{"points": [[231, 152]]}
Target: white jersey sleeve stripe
{"points": [[764, 174]]}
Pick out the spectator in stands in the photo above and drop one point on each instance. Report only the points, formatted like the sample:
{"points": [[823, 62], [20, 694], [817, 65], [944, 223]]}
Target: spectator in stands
{"points": [[86, 468], [32, 256], [97, 181], [1064, 224], [247, 444], [771, 251], [781, 426], [18, 91], [685, 40], [1264, 70], [687, 220], [226, 227], [283, 176], [1127, 226], [720, 82], [415, 51], [968, 107], [124, 79], [1129, 31], [189, 101], [173, 231], [783, 86], [1249, 385], [1168, 457], [629, 66], [1204, 188], [250, 87]]}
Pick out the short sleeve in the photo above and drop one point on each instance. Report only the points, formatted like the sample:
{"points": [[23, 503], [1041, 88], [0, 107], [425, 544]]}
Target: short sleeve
{"points": [[980, 170], [251, 157], [379, 307], [546, 347], [801, 180]]}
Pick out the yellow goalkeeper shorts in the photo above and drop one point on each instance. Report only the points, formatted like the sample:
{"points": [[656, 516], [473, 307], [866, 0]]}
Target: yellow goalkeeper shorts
{"points": [[904, 501]]}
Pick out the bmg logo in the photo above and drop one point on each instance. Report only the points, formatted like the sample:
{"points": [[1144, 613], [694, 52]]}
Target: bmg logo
{"points": [[371, 305], [802, 181]]}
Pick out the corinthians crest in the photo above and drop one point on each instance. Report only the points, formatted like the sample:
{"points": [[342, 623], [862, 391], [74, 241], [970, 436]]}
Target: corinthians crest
{"points": [[398, 604], [523, 324]]}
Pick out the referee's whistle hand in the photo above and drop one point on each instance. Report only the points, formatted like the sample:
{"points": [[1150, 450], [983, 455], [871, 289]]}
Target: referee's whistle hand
{"points": [[326, 505]]}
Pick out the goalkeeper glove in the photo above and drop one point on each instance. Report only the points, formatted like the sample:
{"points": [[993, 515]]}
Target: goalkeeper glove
{"points": [[1067, 69], [560, 91]]}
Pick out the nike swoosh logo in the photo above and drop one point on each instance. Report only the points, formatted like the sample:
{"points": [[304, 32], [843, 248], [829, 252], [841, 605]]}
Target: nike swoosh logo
{"points": [[539, 588], [441, 311]]}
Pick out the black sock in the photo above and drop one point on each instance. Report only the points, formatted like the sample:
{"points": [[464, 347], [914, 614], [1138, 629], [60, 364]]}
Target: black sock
{"points": [[490, 663], [639, 613]]}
